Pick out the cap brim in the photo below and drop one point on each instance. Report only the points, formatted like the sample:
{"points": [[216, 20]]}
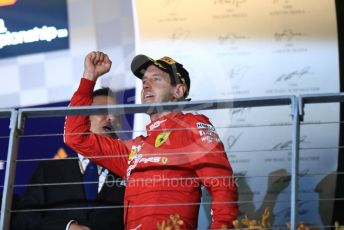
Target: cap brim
{"points": [[139, 64]]}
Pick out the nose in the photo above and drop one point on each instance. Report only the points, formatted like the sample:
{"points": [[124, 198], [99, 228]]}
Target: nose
{"points": [[110, 117], [146, 84]]}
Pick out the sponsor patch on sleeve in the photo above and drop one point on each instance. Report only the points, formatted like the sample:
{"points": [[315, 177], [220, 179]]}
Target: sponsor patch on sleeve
{"points": [[207, 133]]}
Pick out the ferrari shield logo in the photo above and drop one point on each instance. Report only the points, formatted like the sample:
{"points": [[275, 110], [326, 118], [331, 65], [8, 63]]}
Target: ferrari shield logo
{"points": [[164, 160], [161, 139]]}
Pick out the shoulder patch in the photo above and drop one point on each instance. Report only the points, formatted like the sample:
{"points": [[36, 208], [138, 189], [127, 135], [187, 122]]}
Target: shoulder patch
{"points": [[207, 132]]}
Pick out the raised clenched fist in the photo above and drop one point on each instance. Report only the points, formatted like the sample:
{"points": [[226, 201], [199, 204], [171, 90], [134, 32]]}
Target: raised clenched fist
{"points": [[96, 64]]}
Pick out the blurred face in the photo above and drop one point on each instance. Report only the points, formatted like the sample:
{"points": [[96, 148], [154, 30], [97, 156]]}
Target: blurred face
{"points": [[156, 86], [103, 124]]}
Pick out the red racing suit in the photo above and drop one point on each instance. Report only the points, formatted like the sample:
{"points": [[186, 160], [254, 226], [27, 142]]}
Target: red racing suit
{"points": [[164, 170]]}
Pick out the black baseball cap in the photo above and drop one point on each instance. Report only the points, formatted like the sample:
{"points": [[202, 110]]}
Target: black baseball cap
{"points": [[178, 74]]}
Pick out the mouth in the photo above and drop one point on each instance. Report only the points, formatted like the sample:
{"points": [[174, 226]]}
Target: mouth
{"points": [[108, 128], [148, 95]]}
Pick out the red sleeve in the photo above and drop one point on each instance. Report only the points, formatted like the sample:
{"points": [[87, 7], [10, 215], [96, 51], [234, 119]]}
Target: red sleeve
{"points": [[212, 167], [108, 152]]}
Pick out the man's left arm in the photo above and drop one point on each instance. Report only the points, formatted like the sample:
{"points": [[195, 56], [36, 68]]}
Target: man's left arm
{"points": [[213, 169]]}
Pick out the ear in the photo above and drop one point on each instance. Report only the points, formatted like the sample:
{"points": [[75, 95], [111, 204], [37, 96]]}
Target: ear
{"points": [[179, 91]]}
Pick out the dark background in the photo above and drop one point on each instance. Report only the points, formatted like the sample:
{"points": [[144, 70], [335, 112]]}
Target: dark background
{"points": [[35, 13]]}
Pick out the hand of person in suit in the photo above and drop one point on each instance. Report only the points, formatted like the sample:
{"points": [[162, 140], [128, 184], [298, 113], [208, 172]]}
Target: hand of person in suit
{"points": [[96, 64], [76, 226]]}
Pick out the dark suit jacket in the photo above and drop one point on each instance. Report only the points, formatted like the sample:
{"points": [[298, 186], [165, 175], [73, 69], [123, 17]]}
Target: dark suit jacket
{"points": [[68, 196]]}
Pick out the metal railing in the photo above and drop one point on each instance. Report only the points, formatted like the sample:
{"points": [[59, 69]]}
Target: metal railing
{"points": [[10, 168], [296, 111]]}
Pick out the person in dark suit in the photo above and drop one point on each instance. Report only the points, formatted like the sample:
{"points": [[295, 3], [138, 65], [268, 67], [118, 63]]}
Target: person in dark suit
{"points": [[72, 206]]}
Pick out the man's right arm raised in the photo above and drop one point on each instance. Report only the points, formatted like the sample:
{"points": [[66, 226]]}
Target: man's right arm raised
{"points": [[108, 152]]}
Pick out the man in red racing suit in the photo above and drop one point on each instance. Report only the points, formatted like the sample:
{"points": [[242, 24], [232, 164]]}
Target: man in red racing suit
{"points": [[165, 169]]}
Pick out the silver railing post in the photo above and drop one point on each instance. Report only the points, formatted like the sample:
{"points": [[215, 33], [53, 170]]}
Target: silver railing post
{"points": [[10, 172], [294, 163]]}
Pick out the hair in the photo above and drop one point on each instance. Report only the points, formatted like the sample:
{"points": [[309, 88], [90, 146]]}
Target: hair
{"points": [[174, 83], [103, 92], [107, 92]]}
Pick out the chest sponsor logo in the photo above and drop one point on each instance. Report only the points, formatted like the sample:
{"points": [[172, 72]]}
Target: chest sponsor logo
{"points": [[138, 159], [146, 160], [150, 160], [156, 124], [161, 139]]}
